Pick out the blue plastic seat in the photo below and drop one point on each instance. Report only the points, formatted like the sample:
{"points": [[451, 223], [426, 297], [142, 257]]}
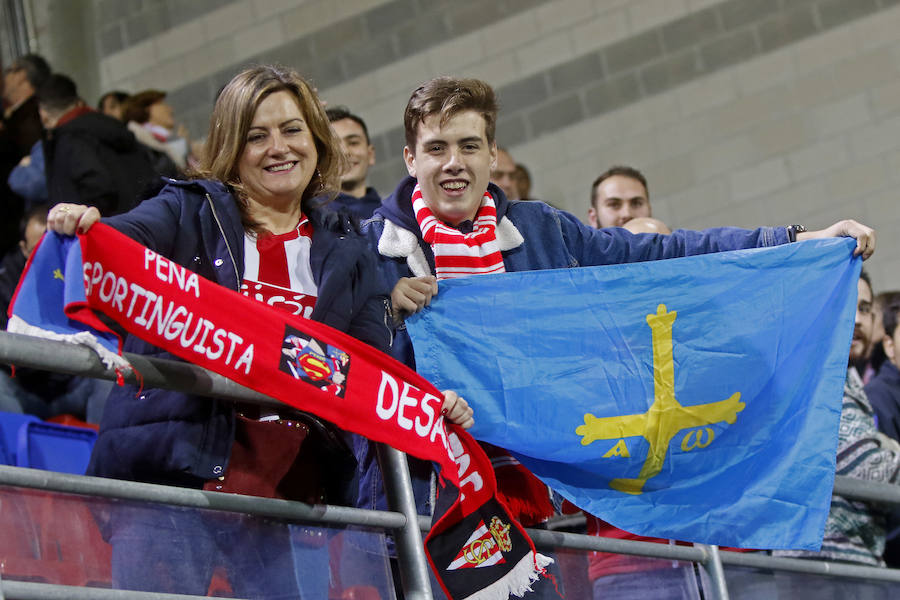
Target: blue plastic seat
{"points": [[10, 423], [54, 447]]}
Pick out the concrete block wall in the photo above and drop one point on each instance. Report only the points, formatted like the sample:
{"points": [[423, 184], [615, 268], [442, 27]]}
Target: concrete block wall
{"points": [[740, 112]]}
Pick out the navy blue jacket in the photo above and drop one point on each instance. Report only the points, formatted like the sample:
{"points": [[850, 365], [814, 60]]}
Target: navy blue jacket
{"points": [[163, 436], [884, 395], [361, 208]]}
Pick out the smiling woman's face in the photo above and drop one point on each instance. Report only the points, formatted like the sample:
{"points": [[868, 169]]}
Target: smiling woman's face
{"points": [[279, 156]]}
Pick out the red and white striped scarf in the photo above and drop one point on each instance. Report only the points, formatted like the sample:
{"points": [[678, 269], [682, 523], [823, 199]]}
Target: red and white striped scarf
{"points": [[458, 254]]}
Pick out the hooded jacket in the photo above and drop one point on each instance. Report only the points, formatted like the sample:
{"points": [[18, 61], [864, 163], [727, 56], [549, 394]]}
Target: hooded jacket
{"points": [[169, 437], [93, 159]]}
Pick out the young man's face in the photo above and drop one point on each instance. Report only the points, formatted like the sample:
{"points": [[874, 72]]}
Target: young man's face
{"points": [[617, 200], [360, 153], [865, 320], [453, 164]]}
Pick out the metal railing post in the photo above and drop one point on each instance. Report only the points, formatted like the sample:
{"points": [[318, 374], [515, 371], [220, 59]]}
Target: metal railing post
{"points": [[408, 539], [714, 570]]}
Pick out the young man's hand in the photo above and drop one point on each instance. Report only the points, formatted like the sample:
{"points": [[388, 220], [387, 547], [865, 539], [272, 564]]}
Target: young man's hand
{"points": [[864, 236], [412, 294]]}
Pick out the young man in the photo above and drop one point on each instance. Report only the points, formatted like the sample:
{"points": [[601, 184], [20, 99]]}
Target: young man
{"points": [[447, 220], [618, 195], [450, 151], [356, 196]]}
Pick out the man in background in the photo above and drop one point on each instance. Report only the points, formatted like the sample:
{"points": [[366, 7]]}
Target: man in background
{"points": [[91, 158], [503, 174], [618, 195], [21, 80], [20, 130], [884, 389], [356, 194]]}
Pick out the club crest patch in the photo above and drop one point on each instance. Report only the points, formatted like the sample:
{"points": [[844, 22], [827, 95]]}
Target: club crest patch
{"points": [[315, 362], [484, 547]]}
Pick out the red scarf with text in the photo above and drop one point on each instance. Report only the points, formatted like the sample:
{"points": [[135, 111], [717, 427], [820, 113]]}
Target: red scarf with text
{"points": [[458, 254], [475, 548]]}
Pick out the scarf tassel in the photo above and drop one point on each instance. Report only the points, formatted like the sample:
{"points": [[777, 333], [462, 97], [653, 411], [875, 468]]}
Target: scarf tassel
{"points": [[518, 581]]}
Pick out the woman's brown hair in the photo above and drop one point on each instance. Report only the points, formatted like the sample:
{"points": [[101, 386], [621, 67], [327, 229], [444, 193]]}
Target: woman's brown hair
{"points": [[233, 115]]}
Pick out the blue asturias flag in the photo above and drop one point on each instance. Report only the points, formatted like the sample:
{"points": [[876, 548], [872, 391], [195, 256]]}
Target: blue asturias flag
{"points": [[38, 305], [695, 398]]}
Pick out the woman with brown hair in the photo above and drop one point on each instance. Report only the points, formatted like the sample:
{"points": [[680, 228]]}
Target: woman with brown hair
{"points": [[255, 224]]}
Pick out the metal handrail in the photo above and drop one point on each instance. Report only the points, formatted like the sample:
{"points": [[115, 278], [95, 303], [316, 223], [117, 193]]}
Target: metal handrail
{"points": [[202, 499], [27, 351], [22, 590]]}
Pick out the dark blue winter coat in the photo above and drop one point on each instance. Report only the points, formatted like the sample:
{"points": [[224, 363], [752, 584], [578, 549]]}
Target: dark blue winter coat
{"points": [[361, 208], [163, 436]]}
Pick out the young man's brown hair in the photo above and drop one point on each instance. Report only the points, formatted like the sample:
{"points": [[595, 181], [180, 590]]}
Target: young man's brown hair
{"points": [[449, 96]]}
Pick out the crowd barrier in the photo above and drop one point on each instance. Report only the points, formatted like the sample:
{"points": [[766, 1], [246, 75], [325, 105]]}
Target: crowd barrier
{"points": [[715, 566]]}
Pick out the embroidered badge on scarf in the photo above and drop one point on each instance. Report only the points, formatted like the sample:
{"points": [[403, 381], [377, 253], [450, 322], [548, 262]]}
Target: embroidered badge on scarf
{"points": [[303, 363]]}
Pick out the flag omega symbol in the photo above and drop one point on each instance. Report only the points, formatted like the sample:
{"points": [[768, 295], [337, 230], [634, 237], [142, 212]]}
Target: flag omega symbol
{"points": [[665, 418]]}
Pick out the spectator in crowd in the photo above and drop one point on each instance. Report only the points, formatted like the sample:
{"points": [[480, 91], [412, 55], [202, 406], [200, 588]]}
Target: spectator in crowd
{"points": [[272, 155], [20, 129], [31, 228], [503, 175], [523, 181], [618, 195], [21, 119], [152, 121], [91, 158], [9, 201], [447, 220], [875, 355], [863, 338], [884, 389], [29, 179], [356, 194], [112, 104], [855, 530]]}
